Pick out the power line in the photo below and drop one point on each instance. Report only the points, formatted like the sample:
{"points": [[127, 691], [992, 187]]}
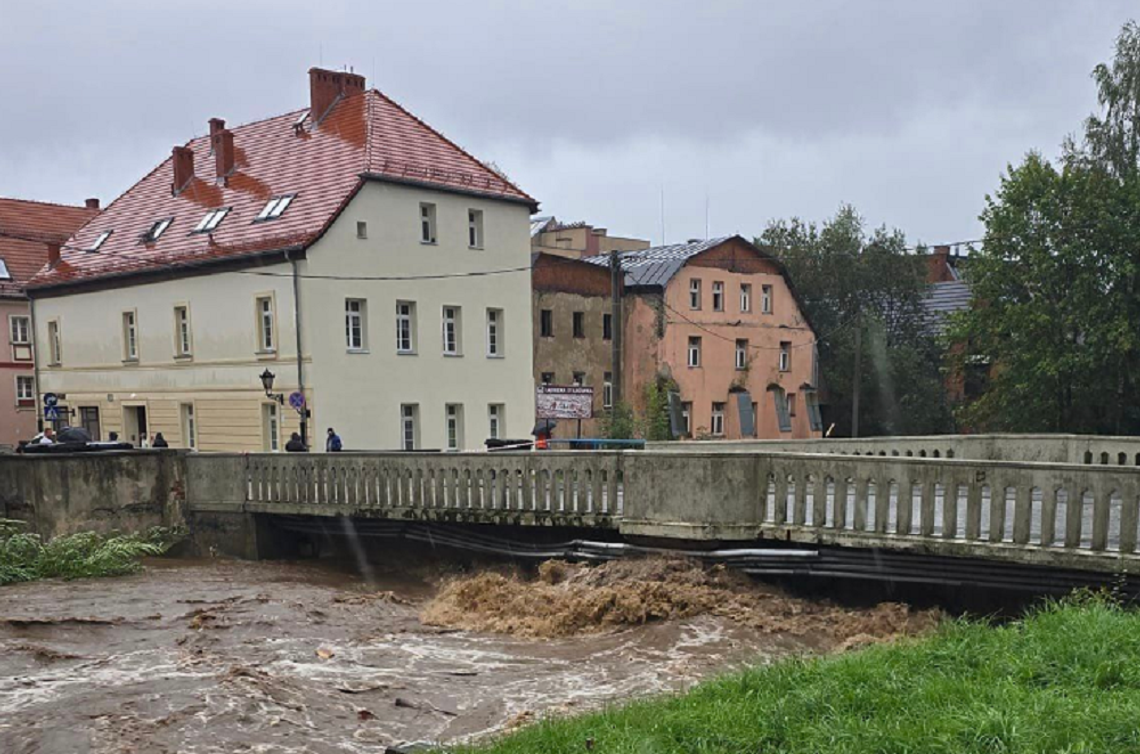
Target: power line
{"points": [[715, 334]]}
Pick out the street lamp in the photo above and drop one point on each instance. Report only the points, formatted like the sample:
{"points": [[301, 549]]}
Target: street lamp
{"points": [[267, 378]]}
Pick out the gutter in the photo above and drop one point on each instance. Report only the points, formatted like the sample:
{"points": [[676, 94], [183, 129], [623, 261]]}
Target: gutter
{"points": [[300, 357], [36, 369]]}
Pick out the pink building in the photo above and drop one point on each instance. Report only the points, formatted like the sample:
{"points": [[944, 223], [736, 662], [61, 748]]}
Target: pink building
{"points": [[720, 319], [26, 231]]}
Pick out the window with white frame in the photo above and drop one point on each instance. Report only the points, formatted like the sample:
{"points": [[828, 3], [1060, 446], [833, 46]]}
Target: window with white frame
{"points": [[694, 351], [130, 337], [20, 330], [155, 231], [99, 240], [409, 426], [745, 297], [694, 294], [607, 390], [765, 299], [741, 353], [452, 335], [25, 390], [687, 418], [454, 413], [405, 327], [355, 322], [427, 222], [475, 228], [785, 356], [275, 207], [189, 426], [266, 325], [718, 296], [495, 333], [270, 428], [495, 415], [55, 342], [211, 220], [717, 428], [182, 330]]}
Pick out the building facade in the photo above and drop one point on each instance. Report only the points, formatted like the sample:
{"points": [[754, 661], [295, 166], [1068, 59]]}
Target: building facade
{"points": [[577, 240], [347, 248], [26, 229]]}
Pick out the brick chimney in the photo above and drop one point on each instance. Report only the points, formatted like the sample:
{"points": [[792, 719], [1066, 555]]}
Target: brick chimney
{"points": [[325, 87], [92, 203], [222, 142], [183, 162], [53, 253], [938, 265], [216, 124]]}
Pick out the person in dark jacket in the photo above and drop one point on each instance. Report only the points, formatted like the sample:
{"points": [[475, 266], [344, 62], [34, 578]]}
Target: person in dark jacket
{"points": [[159, 441], [333, 444], [295, 445]]}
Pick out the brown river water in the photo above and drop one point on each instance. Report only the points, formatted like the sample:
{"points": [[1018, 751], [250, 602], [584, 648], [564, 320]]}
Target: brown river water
{"points": [[227, 656]]}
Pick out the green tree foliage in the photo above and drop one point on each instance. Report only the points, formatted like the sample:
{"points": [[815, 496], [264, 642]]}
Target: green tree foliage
{"points": [[1058, 277], [26, 557], [849, 279], [618, 422], [656, 419]]}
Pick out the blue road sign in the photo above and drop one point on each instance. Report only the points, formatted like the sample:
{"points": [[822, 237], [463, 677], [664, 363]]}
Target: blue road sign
{"points": [[50, 399], [297, 400], [51, 413]]}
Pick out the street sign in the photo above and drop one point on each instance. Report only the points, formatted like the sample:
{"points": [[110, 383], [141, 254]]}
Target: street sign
{"points": [[564, 402], [50, 399], [51, 413], [297, 400]]}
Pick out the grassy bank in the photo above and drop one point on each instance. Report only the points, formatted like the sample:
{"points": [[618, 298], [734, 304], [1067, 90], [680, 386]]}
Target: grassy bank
{"points": [[26, 557], [1065, 679]]}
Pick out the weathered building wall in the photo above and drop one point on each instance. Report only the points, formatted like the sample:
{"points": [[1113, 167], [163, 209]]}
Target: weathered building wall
{"points": [[17, 418]]}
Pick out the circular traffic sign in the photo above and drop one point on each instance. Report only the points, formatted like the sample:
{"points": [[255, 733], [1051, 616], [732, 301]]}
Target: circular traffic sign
{"points": [[50, 399], [297, 400]]}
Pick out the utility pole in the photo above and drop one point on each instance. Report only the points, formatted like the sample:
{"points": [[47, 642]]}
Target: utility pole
{"points": [[855, 378], [616, 328]]}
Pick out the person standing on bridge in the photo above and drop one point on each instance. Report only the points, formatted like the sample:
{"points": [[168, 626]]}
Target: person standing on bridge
{"points": [[295, 444], [333, 444]]}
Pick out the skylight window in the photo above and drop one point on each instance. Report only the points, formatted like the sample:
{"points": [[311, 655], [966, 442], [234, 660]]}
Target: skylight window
{"points": [[212, 219], [100, 240], [157, 230], [4, 274], [275, 206]]}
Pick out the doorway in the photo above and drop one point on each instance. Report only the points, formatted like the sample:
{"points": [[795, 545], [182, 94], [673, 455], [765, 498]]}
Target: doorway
{"points": [[134, 424]]}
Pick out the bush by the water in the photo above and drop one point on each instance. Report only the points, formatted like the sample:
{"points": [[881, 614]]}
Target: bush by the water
{"points": [[1064, 679], [26, 557]]}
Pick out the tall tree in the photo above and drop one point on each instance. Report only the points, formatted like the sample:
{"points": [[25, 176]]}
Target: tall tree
{"points": [[1057, 278], [864, 289]]}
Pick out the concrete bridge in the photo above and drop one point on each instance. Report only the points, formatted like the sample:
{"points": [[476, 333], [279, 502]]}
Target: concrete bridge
{"points": [[943, 507]]}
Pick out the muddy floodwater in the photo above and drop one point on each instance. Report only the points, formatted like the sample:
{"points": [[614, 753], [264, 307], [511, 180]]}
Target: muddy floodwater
{"points": [[225, 656]]}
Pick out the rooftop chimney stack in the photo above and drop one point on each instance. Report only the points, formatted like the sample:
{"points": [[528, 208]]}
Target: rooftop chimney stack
{"points": [[938, 265], [216, 124], [326, 87], [53, 253], [92, 203], [222, 142], [183, 161]]}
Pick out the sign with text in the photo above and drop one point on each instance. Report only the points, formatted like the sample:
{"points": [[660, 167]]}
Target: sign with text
{"points": [[564, 402]]}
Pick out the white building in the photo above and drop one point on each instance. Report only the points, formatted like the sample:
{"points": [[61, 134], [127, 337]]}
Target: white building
{"points": [[348, 248]]}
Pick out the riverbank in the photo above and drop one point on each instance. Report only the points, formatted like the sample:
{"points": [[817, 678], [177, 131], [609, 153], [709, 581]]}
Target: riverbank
{"points": [[1064, 679]]}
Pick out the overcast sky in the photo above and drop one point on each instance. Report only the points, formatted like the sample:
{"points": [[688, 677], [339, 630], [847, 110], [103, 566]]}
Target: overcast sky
{"points": [[908, 110]]}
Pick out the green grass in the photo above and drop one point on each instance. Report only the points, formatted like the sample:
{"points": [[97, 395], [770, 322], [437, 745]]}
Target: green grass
{"points": [[1064, 679], [26, 557]]}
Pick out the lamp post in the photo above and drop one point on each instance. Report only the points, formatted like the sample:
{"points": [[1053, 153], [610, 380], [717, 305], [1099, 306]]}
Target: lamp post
{"points": [[267, 378]]}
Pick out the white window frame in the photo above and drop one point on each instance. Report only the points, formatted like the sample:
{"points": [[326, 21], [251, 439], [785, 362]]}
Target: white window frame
{"points": [[409, 426], [189, 422], [428, 233], [183, 343], [495, 416], [99, 241], [718, 296], [405, 327], [716, 422], [785, 356], [274, 208], [695, 295], [607, 390], [55, 342], [474, 228], [130, 335], [453, 426], [494, 333], [451, 327], [157, 228], [687, 417], [211, 220], [356, 313], [741, 354], [765, 299], [30, 382], [745, 297], [15, 330], [271, 427], [265, 311], [694, 352]]}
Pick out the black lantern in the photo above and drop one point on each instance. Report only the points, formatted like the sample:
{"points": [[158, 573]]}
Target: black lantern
{"points": [[267, 378]]}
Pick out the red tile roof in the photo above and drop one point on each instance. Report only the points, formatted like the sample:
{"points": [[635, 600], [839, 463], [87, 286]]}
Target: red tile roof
{"points": [[33, 224], [364, 136]]}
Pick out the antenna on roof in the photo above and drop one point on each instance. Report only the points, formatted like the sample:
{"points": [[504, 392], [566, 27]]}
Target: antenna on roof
{"points": [[706, 215], [662, 214]]}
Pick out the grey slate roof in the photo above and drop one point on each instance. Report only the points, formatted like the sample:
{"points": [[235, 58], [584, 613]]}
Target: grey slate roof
{"points": [[942, 300], [654, 267]]}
